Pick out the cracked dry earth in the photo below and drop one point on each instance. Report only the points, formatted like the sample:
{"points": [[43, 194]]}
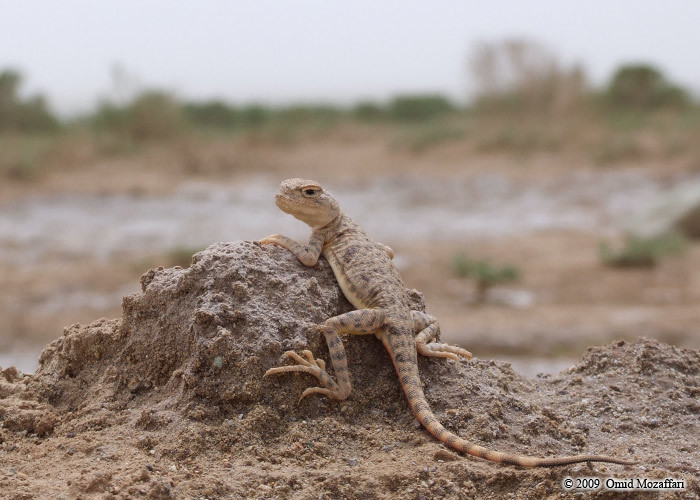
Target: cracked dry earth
{"points": [[169, 402]]}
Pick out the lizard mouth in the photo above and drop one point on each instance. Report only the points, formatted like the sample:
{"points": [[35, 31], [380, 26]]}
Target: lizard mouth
{"points": [[283, 202]]}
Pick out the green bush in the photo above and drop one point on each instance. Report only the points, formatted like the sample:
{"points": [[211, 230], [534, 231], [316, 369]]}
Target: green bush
{"points": [[254, 115], [214, 114], [483, 272], [641, 86], [323, 114], [153, 115], [31, 115], [368, 112], [642, 252], [413, 108]]}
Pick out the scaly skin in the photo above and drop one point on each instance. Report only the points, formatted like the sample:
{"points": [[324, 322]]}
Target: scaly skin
{"points": [[372, 284]]}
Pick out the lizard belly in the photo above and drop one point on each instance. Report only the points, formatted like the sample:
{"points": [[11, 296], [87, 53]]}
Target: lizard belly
{"points": [[342, 279]]}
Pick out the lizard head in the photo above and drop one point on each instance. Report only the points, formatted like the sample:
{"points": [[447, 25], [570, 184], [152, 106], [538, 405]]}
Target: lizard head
{"points": [[307, 201]]}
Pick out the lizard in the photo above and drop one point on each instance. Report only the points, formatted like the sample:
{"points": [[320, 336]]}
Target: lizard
{"points": [[372, 284]]}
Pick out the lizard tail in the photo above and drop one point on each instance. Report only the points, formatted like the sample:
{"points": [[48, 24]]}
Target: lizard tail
{"points": [[407, 370]]}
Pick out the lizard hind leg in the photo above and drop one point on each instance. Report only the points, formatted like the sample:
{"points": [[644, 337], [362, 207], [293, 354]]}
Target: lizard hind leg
{"points": [[358, 322], [427, 330]]}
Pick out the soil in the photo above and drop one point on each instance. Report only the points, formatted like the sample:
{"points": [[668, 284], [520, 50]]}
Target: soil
{"points": [[169, 402]]}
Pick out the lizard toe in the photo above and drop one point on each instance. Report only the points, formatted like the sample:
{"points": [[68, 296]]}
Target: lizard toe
{"points": [[270, 240], [316, 390]]}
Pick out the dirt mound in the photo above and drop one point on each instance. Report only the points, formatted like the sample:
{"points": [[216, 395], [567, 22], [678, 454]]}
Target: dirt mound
{"points": [[169, 402], [199, 339]]}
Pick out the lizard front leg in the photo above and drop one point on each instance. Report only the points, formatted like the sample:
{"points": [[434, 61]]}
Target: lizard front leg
{"points": [[359, 322], [427, 330], [307, 255]]}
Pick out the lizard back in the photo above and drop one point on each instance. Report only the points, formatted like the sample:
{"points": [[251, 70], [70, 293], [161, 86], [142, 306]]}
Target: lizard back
{"points": [[365, 273]]}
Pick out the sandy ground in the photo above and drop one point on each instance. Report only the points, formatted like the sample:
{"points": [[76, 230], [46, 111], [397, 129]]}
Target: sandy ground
{"points": [[169, 402]]}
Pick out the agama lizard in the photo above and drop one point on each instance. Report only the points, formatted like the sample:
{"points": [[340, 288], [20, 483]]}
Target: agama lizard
{"points": [[368, 278]]}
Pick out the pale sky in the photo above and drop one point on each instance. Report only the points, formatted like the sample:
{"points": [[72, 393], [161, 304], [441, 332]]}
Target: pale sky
{"points": [[316, 50]]}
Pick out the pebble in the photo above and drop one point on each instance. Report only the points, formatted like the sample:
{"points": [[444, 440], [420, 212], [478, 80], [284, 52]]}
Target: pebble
{"points": [[11, 470], [352, 462], [173, 468]]}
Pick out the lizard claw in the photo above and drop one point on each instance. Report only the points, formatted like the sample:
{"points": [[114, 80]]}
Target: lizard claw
{"points": [[273, 239]]}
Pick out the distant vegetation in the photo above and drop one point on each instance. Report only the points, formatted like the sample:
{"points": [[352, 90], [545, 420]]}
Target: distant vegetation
{"points": [[523, 77], [643, 252], [525, 102], [22, 115], [643, 87], [485, 274], [153, 115]]}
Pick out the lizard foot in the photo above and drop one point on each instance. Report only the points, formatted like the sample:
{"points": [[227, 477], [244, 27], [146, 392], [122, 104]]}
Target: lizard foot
{"points": [[438, 350], [317, 368], [273, 239]]}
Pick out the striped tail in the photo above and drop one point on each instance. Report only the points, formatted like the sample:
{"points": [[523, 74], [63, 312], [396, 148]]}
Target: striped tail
{"points": [[403, 355]]}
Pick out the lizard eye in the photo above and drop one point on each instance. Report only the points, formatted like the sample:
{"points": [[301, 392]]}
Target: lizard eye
{"points": [[310, 191]]}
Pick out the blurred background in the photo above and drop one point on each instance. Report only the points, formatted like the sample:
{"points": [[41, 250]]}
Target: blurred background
{"points": [[535, 166]]}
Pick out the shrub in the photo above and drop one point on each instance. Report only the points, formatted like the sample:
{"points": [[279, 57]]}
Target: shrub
{"points": [[414, 108], [642, 252], [153, 115], [254, 115], [215, 114], [483, 272], [305, 114], [368, 112], [641, 86], [31, 115]]}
